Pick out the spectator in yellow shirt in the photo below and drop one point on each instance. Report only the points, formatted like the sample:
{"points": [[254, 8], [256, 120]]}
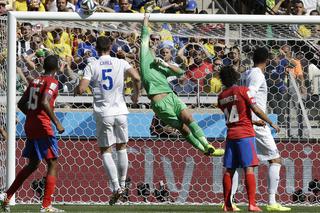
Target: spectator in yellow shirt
{"points": [[209, 46], [29, 5]]}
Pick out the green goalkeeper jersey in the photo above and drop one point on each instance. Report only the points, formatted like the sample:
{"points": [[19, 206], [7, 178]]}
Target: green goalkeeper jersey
{"points": [[154, 77]]}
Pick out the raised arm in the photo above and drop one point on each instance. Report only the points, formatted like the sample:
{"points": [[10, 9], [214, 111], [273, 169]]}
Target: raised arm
{"points": [[145, 35], [276, 8]]}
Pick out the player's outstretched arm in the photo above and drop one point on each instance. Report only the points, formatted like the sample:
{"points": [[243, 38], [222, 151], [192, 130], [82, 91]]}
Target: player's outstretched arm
{"points": [[136, 84], [146, 19], [263, 116], [47, 108]]}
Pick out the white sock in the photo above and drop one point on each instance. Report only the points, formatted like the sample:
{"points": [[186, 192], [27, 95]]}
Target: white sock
{"points": [[123, 166], [235, 183], [274, 176], [111, 170]]}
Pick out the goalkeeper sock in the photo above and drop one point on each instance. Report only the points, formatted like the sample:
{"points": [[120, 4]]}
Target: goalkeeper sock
{"points": [[198, 133], [123, 166], [251, 188], [227, 185], [49, 190], [195, 142], [111, 170], [21, 177]]}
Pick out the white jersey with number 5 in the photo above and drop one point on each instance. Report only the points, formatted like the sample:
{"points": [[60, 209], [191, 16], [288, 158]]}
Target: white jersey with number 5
{"points": [[256, 82], [107, 77]]}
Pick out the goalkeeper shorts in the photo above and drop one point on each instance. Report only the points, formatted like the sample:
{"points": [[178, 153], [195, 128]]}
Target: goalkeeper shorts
{"points": [[168, 110]]}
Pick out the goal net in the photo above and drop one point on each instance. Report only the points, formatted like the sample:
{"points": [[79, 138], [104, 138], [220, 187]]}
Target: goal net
{"points": [[163, 166]]}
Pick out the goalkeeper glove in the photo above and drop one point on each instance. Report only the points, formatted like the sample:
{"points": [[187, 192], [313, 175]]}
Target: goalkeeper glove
{"points": [[161, 62]]}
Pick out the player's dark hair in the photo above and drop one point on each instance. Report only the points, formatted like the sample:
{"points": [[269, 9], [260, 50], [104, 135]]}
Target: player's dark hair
{"points": [[103, 44], [25, 24], [260, 55], [51, 63], [299, 2], [229, 76]]}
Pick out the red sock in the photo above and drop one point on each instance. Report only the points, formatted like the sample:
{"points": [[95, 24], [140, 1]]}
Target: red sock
{"points": [[50, 186], [227, 185], [18, 181], [251, 188]]}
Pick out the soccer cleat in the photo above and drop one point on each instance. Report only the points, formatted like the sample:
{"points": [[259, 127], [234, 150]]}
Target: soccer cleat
{"points": [[234, 208], [115, 197], [5, 207], [277, 207], [211, 151], [253, 208], [50, 209]]}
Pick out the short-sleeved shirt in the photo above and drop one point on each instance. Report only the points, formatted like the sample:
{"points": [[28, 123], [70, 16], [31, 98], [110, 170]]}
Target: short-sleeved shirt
{"points": [[235, 103], [107, 76], [38, 123], [256, 82], [23, 6], [198, 73]]}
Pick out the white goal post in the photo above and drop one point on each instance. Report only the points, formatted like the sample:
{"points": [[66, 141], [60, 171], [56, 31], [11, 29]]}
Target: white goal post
{"points": [[13, 17]]}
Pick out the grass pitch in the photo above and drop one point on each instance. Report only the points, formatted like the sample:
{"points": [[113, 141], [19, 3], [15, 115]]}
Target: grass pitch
{"points": [[147, 208]]}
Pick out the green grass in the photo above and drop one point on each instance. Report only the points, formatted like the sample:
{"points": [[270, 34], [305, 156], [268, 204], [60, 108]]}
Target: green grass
{"points": [[146, 208]]}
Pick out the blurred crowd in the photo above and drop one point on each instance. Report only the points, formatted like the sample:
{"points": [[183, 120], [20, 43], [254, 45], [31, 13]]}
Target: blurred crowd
{"points": [[201, 57]]}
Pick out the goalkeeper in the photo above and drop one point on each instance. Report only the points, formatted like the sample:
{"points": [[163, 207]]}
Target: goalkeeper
{"points": [[165, 104]]}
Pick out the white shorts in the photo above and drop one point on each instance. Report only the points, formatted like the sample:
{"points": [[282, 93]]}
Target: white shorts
{"points": [[111, 129], [266, 146]]}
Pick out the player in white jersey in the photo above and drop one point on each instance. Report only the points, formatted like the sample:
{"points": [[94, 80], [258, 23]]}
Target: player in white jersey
{"points": [[110, 110], [266, 146]]}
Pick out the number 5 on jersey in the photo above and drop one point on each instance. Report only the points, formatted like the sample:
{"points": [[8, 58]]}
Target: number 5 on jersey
{"points": [[233, 116], [107, 81]]}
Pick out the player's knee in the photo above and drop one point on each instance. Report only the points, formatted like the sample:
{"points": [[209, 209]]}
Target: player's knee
{"points": [[186, 117], [277, 160], [33, 166], [176, 124], [52, 163], [249, 170], [107, 149], [121, 146]]}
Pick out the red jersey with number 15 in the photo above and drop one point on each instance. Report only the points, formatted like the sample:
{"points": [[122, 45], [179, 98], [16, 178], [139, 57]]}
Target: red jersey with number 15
{"points": [[235, 103], [38, 123]]}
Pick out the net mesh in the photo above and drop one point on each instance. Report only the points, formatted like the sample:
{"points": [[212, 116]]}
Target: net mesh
{"points": [[157, 153], [3, 91]]}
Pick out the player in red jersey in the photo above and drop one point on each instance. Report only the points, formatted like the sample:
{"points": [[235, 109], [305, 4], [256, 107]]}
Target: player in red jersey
{"points": [[37, 103], [240, 152]]}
